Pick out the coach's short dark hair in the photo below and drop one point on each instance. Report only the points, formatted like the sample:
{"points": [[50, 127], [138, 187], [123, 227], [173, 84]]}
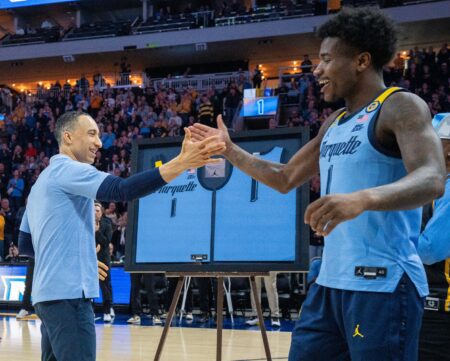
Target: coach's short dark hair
{"points": [[365, 29], [67, 121]]}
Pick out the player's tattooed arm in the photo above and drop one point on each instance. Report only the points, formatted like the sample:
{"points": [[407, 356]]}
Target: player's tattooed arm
{"points": [[406, 119]]}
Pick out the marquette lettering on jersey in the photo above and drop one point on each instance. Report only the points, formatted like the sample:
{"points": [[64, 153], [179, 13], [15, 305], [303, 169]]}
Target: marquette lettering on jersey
{"points": [[341, 148]]}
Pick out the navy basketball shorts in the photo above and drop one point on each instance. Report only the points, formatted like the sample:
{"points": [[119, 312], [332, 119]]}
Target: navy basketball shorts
{"points": [[338, 325]]}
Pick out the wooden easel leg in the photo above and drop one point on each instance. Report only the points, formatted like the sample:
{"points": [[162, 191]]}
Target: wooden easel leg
{"points": [[169, 318], [260, 318], [219, 315]]}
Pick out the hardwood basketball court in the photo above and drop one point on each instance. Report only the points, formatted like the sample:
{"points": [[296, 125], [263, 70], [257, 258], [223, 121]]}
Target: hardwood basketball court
{"points": [[20, 341]]}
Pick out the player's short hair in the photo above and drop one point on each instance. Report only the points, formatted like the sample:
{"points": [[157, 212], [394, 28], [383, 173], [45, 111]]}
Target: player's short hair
{"points": [[65, 122], [366, 29]]}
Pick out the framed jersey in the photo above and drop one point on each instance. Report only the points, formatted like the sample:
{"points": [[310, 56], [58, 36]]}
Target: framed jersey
{"points": [[217, 218]]}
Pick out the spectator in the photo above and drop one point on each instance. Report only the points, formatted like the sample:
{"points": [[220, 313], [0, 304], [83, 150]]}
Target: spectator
{"points": [[149, 281], [118, 237], [270, 284], [8, 216], [159, 129], [443, 55], [108, 138], [16, 187], [27, 308], [2, 237], [111, 213], [174, 125], [232, 101], [306, 65], [31, 150], [257, 77], [103, 235], [206, 112]]}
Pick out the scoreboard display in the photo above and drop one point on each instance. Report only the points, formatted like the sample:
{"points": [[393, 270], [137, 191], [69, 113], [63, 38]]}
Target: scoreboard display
{"points": [[260, 107], [10, 4]]}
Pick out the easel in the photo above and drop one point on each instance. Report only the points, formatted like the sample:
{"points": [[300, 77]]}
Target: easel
{"points": [[219, 309], [187, 282]]}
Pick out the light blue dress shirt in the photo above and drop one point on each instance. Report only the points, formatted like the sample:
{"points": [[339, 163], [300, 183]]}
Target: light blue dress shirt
{"points": [[60, 219]]}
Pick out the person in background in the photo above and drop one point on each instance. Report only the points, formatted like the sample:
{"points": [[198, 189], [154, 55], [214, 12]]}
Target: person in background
{"points": [[149, 283], [27, 308], [2, 237], [8, 215], [270, 284], [103, 234], [434, 250]]}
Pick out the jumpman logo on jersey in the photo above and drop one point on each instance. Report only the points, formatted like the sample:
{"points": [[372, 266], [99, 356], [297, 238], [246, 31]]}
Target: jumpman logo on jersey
{"points": [[357, 333]]}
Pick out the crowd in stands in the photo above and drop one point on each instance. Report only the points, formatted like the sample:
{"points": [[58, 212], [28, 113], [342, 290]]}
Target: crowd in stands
{"points": [[183, 17], [27, 138]]}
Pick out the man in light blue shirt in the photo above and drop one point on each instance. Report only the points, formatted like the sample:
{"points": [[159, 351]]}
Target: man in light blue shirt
{"points": [[59, 221], [434, 250]]}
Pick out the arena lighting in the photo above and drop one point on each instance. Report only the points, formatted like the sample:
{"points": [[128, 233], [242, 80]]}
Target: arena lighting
{"points": [[40, 83], [260, 65], [14, 84], [295, 62]]}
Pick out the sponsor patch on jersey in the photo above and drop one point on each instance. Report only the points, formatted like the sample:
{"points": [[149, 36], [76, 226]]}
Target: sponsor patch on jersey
{"points": [[158, 163], [372, 106]]}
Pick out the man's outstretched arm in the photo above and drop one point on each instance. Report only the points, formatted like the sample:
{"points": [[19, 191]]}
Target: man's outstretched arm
{"points": [[192, 155]]}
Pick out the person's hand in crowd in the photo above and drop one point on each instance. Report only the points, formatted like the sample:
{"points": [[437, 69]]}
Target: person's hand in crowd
{"points": [[102, 271], [200, 132]]}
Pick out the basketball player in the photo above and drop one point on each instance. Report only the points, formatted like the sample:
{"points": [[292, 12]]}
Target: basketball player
{"points": [[59, 219], [434, 249], [379, 160]]}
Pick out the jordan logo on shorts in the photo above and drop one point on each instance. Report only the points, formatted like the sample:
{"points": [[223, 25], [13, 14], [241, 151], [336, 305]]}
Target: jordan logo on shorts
{"points": [[357, 333]]}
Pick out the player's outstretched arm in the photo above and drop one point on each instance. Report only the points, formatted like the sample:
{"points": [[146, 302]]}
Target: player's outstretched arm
{"points": [[405, 119], [282, 177]]}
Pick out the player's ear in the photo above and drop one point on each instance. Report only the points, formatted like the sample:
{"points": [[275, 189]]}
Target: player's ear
{"points": [[364, 61]]}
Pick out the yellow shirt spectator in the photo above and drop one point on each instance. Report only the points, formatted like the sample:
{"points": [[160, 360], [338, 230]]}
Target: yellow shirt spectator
{"points": [[2, 229]]}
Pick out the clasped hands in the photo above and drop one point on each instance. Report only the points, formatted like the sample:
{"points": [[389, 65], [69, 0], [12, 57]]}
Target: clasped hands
{"points": [[196, 153]]}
